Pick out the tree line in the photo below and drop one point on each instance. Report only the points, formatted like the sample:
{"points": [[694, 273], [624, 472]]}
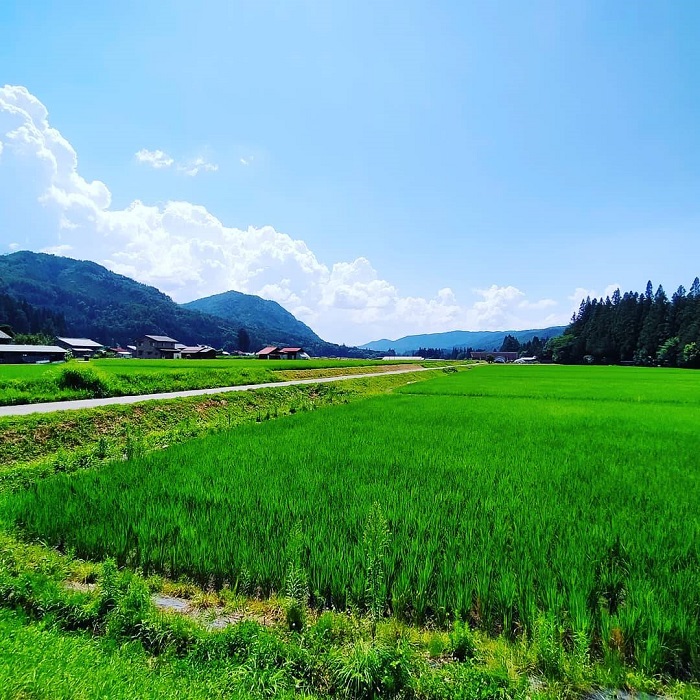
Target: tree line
{"points": [[644, 328], [21, 320]]}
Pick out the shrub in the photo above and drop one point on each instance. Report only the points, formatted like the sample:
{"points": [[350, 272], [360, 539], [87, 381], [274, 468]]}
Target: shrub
{"points": [[82, 380], [368, 670], [462, 645]]}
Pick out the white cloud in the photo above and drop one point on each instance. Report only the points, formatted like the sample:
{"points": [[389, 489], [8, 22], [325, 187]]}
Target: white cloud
{"points": [[159, 159], [156, 159], [186, 251], [197, 165], [14, 246], [247, 160]]}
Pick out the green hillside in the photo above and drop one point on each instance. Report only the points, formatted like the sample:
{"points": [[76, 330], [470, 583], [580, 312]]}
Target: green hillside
{"points": [[248, 310], [114, 309]]}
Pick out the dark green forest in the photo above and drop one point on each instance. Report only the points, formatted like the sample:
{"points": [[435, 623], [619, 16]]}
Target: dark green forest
{"points": [[18, 316], [644, 328]]}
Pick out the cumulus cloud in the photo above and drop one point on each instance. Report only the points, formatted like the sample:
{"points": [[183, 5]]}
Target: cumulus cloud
{"points": [[156, 159], [186, 251]]}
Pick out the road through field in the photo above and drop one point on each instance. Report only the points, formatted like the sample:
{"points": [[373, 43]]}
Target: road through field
{"points": [[26, 409]]}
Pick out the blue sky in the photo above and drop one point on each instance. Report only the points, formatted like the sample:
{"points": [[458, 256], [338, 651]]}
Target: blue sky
{"points": [[379, 168]]}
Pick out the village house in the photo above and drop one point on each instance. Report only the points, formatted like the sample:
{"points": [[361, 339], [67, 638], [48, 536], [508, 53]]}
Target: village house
{"points": [[80, 347], [198, 352], [270, 352], [275, 352], [158, 347], [31, 354]]}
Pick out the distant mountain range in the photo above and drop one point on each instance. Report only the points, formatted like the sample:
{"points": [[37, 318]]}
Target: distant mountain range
{"points": [[91, 301], [83, 299], [478, 340]]}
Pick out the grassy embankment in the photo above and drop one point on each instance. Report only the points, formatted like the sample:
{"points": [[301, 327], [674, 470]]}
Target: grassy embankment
{"points": [[21, 384], [555, 510], [38, 445]]}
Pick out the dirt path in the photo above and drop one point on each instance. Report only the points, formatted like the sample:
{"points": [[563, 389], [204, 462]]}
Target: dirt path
{"points": [[26, 409]]}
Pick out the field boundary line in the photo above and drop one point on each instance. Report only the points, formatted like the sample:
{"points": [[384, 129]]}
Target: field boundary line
{"points": [[77, 404]]}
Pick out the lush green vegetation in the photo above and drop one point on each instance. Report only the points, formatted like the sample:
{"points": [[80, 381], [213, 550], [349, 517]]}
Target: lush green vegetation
{"points": [[61, 636], [111, 641], [557, 503], [20, 384], [38, 445], [644, 329], [19, 316]]}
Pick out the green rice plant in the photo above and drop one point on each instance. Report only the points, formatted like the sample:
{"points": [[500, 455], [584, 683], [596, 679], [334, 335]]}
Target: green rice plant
{"points": [[296, 583], [513, 493], [20, 384], [375, 541]]}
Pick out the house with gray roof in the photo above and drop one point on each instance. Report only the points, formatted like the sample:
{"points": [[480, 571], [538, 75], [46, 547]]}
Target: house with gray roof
{"points": [[31, 354], [80, 347], [158, 347]]}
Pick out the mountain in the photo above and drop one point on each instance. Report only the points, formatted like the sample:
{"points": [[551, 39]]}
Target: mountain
{"points": [[114, 309], [257, 314], [479, 340]]}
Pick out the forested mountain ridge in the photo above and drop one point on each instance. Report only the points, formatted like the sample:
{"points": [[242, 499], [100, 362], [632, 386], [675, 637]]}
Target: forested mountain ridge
{"points": [[82, 298], [478, 340], [644, 329], [247, 310]]}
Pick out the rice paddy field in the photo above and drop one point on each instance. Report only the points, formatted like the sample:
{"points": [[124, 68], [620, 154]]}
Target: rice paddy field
{"points": [[21, 384], [515, 497]]}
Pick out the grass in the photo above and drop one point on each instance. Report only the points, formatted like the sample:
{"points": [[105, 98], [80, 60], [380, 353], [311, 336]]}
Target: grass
{"points": [[38, 445], [46, 663], [559, 504], [21, 384]]}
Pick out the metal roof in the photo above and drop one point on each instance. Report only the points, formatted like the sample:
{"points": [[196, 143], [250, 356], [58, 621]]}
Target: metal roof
{"points": [[290, 350], [80, 342], [162, 338], [4, 336], [267, 350], [24, 349]]}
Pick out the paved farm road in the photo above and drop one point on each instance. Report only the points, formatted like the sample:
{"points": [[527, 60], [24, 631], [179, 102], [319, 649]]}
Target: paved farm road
{"points": [[26, 409]]}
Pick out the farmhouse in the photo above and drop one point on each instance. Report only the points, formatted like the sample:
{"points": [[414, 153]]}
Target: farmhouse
{"points": [[80, 347], [270, 352], [275, 352], [293, 354], [158, 347], [31, 354], [493, 354], [198, 352], [4, 338]]}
